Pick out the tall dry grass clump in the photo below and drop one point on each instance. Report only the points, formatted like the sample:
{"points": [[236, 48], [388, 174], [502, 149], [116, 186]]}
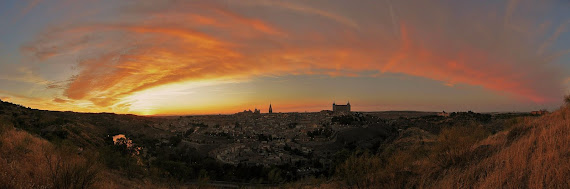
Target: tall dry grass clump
{"points": [[22, 163], [533, 154], [31, 162], [360, 171]]}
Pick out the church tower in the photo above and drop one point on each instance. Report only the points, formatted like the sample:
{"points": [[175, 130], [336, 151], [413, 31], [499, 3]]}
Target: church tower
{"points": [[270, 109], [334, 106]]}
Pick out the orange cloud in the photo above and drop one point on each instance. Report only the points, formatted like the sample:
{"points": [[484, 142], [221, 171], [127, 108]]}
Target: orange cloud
{"points": [[134, 56], [254, 23], [470, 67], [5, 98], [59, 100]]}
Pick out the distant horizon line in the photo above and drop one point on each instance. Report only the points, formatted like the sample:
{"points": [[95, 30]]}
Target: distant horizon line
{"points": [[207, 114], [175, 115]]}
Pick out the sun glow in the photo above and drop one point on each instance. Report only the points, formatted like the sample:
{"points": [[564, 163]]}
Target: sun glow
{"points": [[159, 100]]}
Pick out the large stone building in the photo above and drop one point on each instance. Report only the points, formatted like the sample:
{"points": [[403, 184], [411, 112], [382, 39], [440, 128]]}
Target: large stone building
{"points": [[246, 112], [341, 108]]}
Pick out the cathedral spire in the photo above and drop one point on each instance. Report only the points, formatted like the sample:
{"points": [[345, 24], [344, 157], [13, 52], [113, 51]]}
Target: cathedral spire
{"points": [[270, 108]]}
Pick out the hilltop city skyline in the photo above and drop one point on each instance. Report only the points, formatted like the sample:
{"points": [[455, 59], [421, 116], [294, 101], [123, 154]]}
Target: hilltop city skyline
{"points": [[284, 94], [335, 108]]}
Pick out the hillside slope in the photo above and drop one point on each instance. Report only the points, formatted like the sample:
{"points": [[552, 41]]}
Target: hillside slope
{"points": [[27, 161], [533, 154]]}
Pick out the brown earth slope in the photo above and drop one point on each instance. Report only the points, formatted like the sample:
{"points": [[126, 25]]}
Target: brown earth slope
{"points": [[533, 154]]}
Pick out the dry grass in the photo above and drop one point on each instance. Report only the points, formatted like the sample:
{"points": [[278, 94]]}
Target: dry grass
{"points": [[22, 161], [359, 171], [534, 154], [27, 161]]}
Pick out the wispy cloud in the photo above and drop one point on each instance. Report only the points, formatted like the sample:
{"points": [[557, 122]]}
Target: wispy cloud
{"points": [[59, 100], [561, 29], [30, 5], [393, 17], [22, 74], [179, 43], [511, 7], [567, 80], [289, 5]]}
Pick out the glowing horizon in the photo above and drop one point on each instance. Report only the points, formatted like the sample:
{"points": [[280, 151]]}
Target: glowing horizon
{"points": [[196, 57]]}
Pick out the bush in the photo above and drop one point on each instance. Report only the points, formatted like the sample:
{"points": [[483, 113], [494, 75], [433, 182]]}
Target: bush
{"points": [[454, 142], [28, 161], [359, 170], [119, 157], [71, 172]]}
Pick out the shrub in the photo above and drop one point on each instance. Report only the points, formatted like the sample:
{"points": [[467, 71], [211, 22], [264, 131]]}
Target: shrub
{"points": [[71, 172], [28, 161], [359, 170], [454, 142]]}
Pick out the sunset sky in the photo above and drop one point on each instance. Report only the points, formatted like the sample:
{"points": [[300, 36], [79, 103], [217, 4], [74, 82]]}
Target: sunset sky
{"points": [[151, 57]]}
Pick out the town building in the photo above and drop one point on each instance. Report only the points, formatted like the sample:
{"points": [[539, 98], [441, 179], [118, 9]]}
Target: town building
{"points": [[341, 108], [443, 114], [539, 112]]}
